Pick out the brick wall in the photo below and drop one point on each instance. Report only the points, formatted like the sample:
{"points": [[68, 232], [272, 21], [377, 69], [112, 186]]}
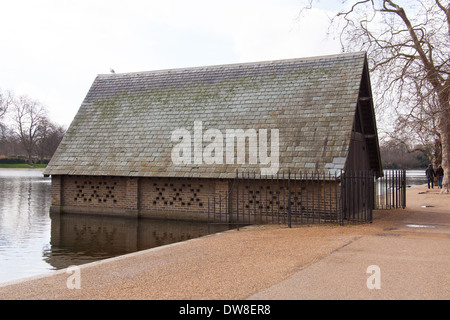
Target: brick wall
{"points": [[175, 194], [147, 197], [87, 191], [56, 190], [277, 195], [187, 198]]}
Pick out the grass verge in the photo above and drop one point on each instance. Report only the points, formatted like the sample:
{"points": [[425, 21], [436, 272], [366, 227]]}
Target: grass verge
{"points": [[22, 165]]}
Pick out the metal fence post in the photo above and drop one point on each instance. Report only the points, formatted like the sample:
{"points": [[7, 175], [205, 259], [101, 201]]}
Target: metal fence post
{"points": [[289, 198], [237, 199]]}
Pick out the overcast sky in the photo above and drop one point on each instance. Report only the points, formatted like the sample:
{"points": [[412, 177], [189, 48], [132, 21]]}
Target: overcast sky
{"points": [[52, 50]]}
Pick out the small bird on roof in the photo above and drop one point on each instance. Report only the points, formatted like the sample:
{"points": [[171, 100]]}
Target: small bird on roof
{"points": [[111, 70]]}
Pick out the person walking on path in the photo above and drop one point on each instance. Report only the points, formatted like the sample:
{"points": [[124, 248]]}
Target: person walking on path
{"points": [[430, 176], [440, 176]]}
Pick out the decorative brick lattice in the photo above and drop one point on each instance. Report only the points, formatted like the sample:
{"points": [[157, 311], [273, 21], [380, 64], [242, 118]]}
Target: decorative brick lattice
{"points": [[176, 194], [94, 191]]}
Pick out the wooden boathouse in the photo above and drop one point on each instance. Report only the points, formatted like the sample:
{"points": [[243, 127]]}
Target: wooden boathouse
{"points": [[156, 144]]}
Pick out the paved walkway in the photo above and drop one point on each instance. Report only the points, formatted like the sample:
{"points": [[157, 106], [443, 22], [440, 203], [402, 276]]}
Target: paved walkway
{"points": [[407, 253], [411, 261]]}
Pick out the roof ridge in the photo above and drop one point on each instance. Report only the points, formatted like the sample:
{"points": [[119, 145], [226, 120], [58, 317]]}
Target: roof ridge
{"points": [[216, 66]]}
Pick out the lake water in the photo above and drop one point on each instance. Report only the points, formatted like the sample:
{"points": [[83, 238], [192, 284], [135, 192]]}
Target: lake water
{"points": [[415, 177], [32, 242]]}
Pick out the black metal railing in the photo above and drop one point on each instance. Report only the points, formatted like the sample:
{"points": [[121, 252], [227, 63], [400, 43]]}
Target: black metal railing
{"points": [[391, 190], [357, 196], [301, 198]]}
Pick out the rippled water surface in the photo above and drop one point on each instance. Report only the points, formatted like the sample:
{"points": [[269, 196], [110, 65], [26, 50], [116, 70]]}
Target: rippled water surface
{"points": [[415, 177], [33, 242]]}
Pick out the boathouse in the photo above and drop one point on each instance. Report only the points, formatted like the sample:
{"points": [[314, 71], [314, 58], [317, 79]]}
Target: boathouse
{"points": [[163, 143]]}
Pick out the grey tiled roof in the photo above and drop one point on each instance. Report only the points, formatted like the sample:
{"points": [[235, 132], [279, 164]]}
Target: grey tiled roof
{"points": [[125, 123]]}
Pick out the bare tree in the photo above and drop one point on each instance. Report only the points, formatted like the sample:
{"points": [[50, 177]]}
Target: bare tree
{"points": [[409, 53], [9, 142], [49, 137], [5, 102], [417, 129], [28, 115], [54, 139], [397, 156]]}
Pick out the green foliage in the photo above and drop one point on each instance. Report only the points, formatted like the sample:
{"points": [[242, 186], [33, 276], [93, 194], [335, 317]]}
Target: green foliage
{"points": [[20, 163], [12, 161]]}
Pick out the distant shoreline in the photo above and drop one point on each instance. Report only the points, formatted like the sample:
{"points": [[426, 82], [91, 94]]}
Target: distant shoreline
{"points": [[22, 166]]}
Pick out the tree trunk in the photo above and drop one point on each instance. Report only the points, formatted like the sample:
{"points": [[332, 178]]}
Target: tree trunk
{"points": [[444, 128], [437, 152]]}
